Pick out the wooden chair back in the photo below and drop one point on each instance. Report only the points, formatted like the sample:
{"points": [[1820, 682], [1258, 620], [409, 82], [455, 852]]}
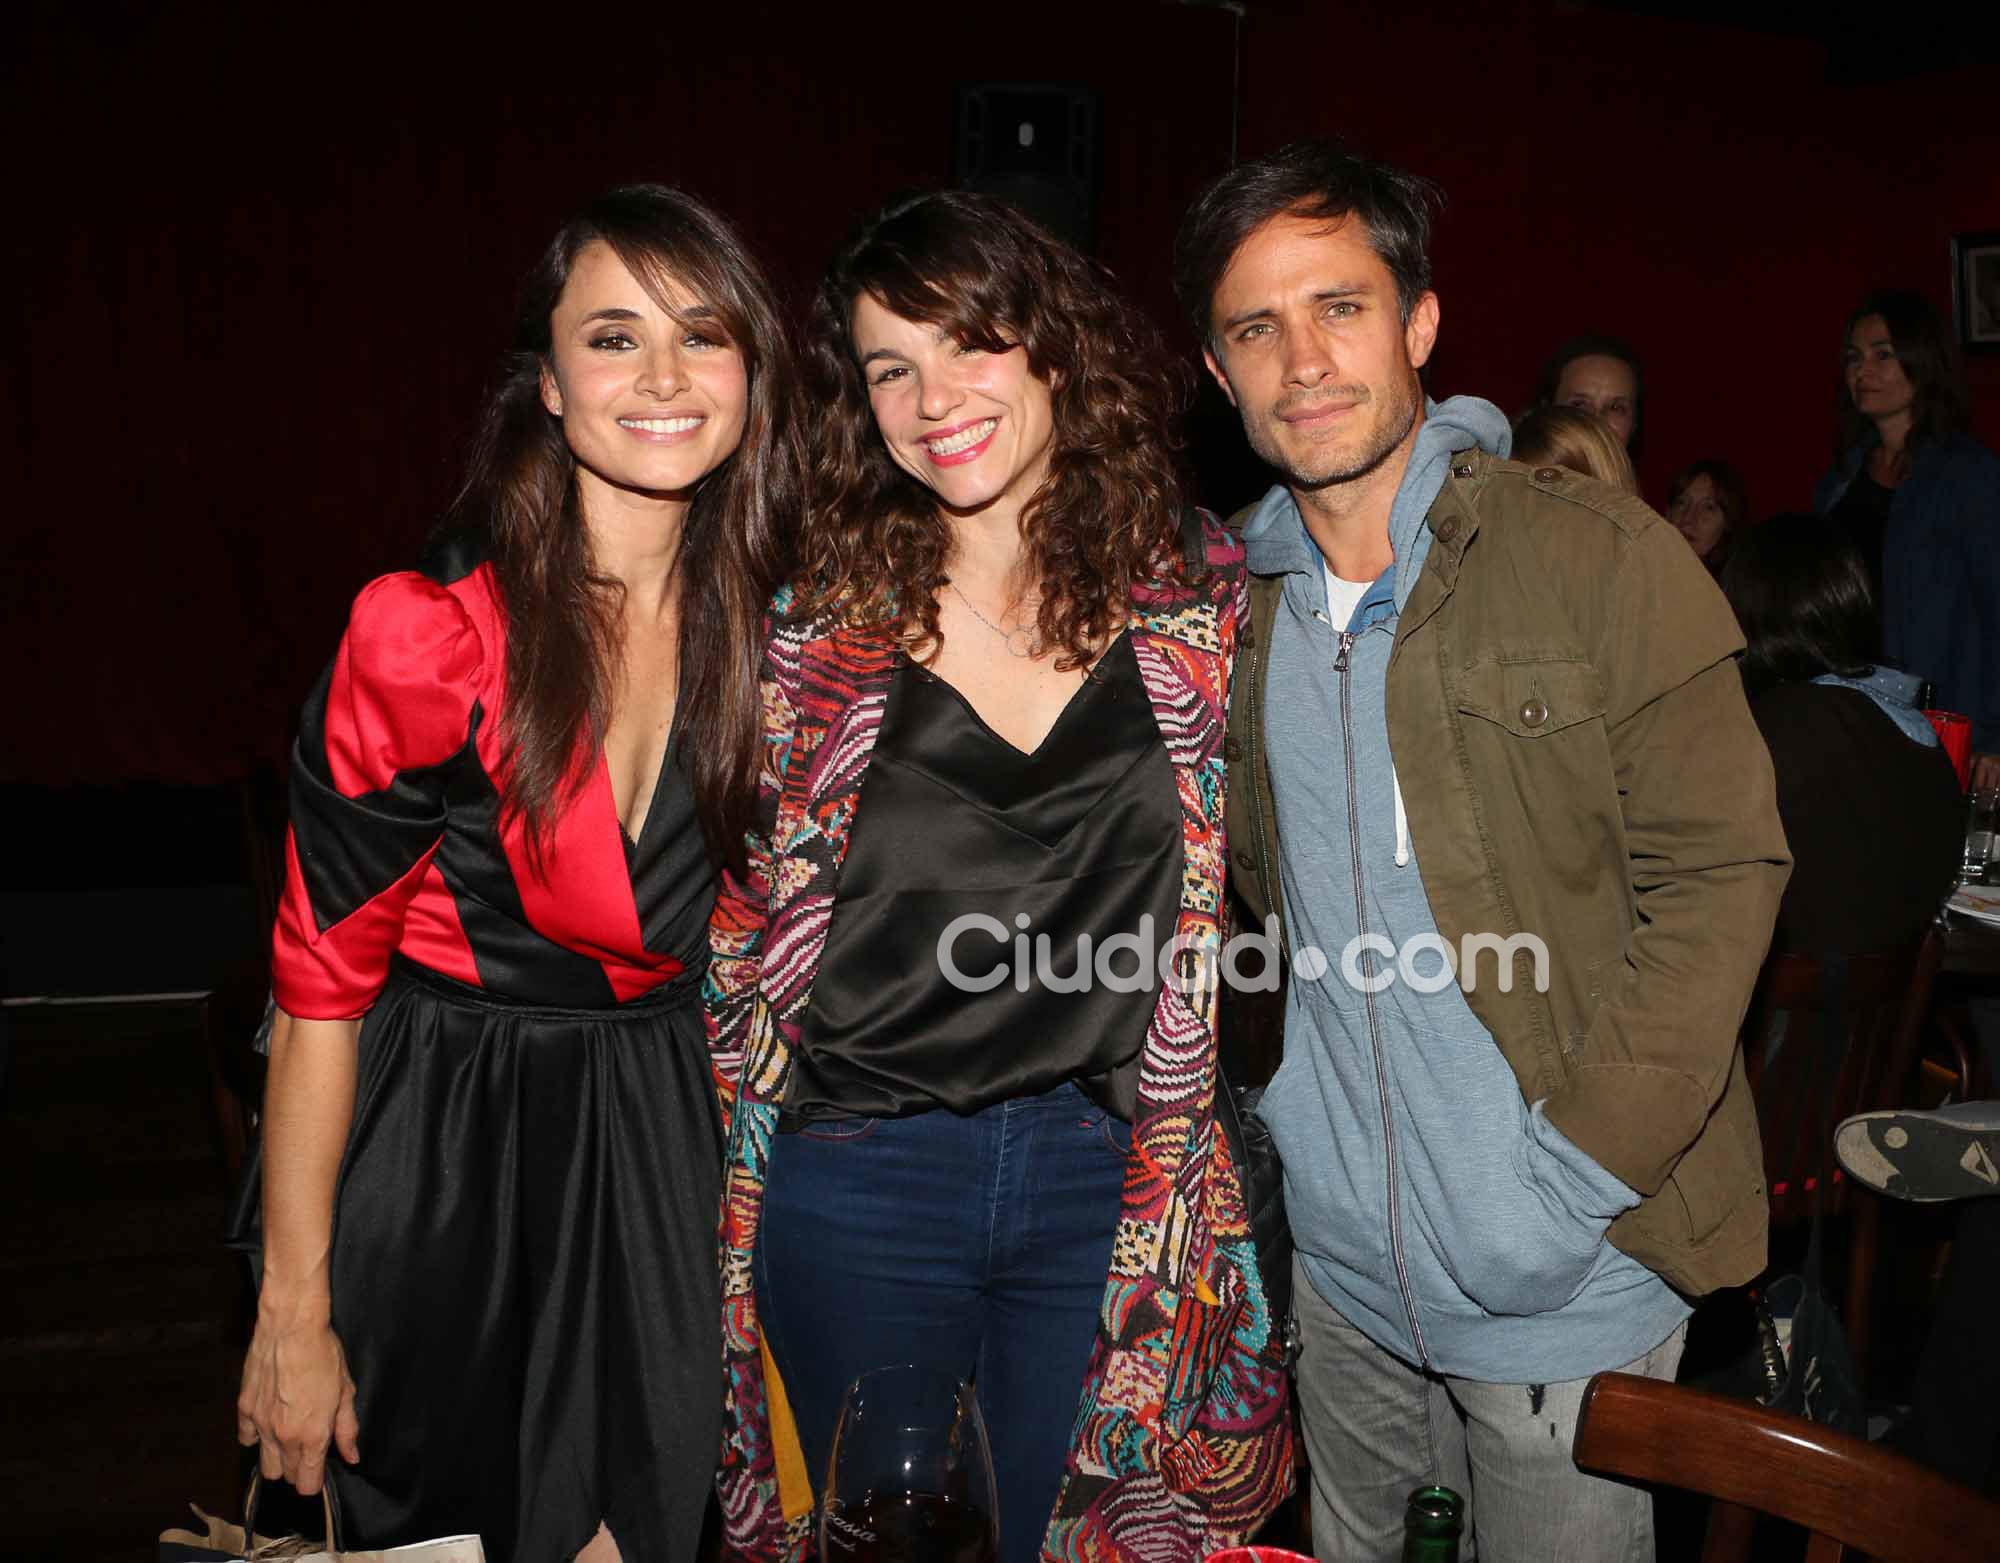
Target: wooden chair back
{"points": [[1882, 1015], [1853, 1498]]}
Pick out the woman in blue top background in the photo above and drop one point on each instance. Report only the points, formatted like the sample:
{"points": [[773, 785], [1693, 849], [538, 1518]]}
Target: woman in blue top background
{"points": [[1921, 499]]}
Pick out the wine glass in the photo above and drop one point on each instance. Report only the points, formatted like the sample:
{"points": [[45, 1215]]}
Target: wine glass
{"points": [[910, 1479]]}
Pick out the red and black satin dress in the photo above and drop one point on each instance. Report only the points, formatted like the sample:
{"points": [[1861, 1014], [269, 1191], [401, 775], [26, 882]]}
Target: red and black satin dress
{"points": [[523, 1264]]}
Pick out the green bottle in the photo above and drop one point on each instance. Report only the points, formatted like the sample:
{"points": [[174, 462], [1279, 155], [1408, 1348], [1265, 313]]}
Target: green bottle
{"points": [[1431, 1526]]}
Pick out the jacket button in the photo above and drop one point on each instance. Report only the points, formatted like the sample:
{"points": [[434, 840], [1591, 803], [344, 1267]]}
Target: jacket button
{"points": [[1447, 530], [1246, 860], [1246, 636], [1232, 750], [1464, 471], [1534, 711], [1547, 474]]}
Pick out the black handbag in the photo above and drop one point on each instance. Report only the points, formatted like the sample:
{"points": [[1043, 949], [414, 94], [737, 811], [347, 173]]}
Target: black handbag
{"points": [[1814, 1378], [1819, 1382], [1256, 1156]]}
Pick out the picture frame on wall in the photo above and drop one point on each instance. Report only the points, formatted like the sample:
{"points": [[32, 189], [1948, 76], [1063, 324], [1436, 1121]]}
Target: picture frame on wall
{"points": [[1975, 290]]}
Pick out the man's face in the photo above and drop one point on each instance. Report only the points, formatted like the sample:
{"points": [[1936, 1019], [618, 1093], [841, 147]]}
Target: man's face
{"points": [[1605, 387], [1308, 343]]}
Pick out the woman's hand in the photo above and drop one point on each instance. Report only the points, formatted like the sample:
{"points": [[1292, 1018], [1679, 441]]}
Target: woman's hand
{"points": [[297, 1394], [1986, 770], [297, 1397]]}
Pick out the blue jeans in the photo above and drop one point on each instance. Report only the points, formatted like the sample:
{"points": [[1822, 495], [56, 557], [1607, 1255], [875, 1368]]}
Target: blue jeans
{"points": [[977, 1246]]}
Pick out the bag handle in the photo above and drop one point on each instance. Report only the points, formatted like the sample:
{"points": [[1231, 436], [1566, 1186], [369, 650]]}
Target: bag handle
{"points": [[1194, 546], [287, 1546]]}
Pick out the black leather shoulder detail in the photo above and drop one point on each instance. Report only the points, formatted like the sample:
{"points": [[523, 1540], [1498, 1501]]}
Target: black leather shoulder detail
{"points": [[454, 551]]}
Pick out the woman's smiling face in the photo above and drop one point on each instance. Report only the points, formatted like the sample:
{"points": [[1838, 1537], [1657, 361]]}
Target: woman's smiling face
{"points": [[651, 399], [974, 427]]}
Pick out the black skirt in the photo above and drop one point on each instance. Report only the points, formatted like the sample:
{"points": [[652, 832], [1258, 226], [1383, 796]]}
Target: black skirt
{"points": [[524, 1274]]}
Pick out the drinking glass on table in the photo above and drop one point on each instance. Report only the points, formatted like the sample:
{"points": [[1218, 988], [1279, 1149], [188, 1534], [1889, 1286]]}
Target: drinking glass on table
{"points": [[1954, 731], [910, 1479], [1982, 812]]}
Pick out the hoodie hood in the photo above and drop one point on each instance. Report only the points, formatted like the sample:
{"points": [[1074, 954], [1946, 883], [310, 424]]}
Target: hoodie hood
{"points": [[1275, 540], [1448, 428]]}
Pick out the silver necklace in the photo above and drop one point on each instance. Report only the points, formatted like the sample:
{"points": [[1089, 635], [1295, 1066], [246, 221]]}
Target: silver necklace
{"points": [[1019, 642]]}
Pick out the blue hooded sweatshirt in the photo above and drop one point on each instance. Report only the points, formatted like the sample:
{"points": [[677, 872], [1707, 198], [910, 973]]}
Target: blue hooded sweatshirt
{"points": [[1432, 1208]]}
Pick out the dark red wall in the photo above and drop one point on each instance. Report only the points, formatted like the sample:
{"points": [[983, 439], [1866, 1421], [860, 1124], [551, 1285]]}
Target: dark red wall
{"points": [[265, 270], [1700, 191]]}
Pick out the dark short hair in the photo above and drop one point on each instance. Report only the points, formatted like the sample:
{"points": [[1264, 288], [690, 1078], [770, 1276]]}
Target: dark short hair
{"points": [[1803, 599], [1731, 492], [1319, 180], [1929, 358]]}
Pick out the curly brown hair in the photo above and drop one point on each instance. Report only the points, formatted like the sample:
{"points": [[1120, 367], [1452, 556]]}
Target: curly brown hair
{"points": [[875, 546]]}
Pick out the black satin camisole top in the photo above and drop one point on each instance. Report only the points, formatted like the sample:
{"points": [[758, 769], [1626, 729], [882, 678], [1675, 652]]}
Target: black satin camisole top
{"points": [[1082, 839]]}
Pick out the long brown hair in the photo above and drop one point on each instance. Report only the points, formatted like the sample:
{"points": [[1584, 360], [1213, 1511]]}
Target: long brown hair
{"points": [[562, 614], [1108, 514], [1940, 405]]}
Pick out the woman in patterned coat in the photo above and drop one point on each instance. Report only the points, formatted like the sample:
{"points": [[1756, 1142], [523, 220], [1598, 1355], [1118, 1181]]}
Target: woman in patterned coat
{"points": [[963, 1001]]}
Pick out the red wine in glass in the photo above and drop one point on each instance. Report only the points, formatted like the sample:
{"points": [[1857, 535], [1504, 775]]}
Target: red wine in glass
{"points": [[910, 1479], [918, 1527]]}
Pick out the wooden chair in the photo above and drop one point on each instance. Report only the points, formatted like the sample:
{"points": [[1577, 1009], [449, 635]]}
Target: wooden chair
{"points": [[1846, 1493], [1945, 1071], [1885, 1001]]}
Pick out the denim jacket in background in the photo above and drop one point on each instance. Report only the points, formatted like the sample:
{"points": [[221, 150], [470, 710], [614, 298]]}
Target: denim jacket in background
{"points": [[1941, 574]]}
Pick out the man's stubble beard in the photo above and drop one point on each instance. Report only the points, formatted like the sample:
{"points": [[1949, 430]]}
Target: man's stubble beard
{"points": [[1395, 428]]}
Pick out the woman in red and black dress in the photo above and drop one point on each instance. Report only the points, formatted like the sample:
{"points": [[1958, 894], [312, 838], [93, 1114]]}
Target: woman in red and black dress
{"points": [[491, 1159]]}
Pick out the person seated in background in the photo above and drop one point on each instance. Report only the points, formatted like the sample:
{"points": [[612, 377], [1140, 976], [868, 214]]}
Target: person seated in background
{"points": [[1580, 441], [1921, 498], [1868, 798], [1950, 1154], [1600, 375], [1707, 503]]}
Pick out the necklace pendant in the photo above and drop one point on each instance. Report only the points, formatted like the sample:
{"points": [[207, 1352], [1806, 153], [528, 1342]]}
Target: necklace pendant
{"points": [[1021, 643]]}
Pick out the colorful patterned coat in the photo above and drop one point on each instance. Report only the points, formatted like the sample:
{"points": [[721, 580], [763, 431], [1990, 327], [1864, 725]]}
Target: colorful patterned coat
{"points": [[1182, 1441]]}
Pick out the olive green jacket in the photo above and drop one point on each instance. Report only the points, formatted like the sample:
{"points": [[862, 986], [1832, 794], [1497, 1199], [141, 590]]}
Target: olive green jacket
{"points": [[1577, 762]]}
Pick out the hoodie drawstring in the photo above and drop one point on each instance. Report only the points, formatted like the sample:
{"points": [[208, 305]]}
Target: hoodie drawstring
{"points": [[1402, 820]]}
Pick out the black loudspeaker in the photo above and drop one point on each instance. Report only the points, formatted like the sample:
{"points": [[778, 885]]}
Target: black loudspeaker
{"points": [[1033, 146]]}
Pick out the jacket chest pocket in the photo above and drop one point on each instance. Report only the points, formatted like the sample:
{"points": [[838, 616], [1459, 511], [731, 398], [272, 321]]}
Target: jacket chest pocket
{"points": [[1531, 697]]}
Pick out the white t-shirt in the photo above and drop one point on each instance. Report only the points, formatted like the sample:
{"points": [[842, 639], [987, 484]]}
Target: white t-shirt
{"points": [[1342, 597]]}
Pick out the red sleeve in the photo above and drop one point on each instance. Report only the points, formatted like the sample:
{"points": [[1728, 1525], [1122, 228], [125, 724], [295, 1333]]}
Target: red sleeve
{"points": [[379, 738]]}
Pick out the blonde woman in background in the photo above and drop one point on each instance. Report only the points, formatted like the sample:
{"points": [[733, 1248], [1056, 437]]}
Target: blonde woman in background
{"points": [[1580, 441]]}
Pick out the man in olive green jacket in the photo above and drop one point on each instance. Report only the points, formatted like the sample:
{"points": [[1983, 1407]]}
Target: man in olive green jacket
{"points": [[1486, 726]]}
